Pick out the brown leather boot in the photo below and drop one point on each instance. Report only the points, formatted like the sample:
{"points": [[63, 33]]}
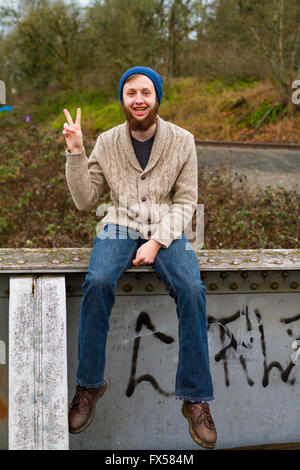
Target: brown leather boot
{"points": [[201, 425], [83, 406]]}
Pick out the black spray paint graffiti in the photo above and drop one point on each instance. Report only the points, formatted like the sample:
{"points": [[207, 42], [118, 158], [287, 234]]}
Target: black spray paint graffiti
{"points": [[226, 334], [228, 341], [144, 319]]}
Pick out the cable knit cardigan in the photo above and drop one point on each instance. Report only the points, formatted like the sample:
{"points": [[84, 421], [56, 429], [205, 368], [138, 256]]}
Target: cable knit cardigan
{"points": [[158, 201]]}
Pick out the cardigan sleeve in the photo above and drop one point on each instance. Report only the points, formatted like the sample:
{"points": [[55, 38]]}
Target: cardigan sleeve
{"points": [[85, 177], [184, 202]]}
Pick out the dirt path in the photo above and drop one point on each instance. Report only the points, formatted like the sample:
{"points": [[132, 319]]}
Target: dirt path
{"points": [[261, 167]]}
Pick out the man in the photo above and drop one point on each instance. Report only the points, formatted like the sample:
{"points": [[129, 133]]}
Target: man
{"points": [[150, 166]]}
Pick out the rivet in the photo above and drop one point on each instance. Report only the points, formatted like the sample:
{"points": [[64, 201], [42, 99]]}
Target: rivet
{"points": [[254, 285], [70, 288], [244, 274], [234, 286], [284, 273], [127, 288], [274, 285], [264, 274], [213, 286], [294, 285], [223, 275], [149, 287], [138, 275]]}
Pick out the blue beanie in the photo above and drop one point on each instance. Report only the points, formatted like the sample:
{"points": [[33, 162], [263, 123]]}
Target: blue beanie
{"points": [[150, 73]]}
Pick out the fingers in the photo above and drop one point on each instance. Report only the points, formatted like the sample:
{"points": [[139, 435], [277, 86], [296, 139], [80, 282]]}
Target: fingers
{"points": [[68, 116], [67, 130], [141, 259], [78, 117]]}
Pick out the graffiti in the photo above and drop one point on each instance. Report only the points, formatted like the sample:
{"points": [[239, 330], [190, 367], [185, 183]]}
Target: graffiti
{"points": [[246, 344], [144, 319]]}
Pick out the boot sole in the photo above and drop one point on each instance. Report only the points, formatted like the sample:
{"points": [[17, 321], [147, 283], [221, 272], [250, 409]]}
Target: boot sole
{"points": [[192, 432], [85, 425]]}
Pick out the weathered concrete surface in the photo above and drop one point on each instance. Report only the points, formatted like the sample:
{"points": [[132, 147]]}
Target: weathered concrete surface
{"points": [[37, 364], [55, 260]]}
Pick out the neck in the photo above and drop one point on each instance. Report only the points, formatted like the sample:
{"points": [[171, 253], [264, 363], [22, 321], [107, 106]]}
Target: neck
{"points": [[142, 136]]}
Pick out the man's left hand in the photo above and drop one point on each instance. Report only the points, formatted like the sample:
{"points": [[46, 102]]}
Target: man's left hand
{"points": [[146, 254]]}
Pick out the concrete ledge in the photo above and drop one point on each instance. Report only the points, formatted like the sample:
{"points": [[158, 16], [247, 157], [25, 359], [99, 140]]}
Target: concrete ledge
{"points": [[61, 260]]}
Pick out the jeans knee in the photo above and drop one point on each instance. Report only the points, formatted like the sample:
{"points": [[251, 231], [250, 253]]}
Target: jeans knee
{"points": [[193, 288], [98, 281]]}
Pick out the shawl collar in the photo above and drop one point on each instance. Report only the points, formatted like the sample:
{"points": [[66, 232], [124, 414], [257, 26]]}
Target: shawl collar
{"points": [[157, 148]]}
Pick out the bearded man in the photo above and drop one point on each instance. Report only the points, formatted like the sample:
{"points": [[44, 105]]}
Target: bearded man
{"points": [[150, 166]]}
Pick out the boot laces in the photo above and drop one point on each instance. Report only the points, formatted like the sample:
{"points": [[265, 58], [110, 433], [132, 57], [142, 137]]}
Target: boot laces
{"points": [[80, 399], [203, 415]]}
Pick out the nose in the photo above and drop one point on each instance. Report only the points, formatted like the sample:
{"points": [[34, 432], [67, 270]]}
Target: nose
{"points": [[139, 97]]}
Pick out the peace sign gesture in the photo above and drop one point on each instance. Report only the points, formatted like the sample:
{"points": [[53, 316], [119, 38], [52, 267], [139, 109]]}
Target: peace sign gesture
{"points": [[72, 132]]}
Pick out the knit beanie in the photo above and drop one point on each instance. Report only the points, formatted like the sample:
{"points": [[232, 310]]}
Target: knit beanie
{"points": [[150, 73]]}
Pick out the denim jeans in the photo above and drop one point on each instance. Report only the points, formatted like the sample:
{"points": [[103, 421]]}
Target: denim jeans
{"points": [[113, 251]]}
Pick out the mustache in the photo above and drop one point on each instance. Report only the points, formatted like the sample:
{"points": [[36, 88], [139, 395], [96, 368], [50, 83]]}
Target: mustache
{"points": [[143, 124]]}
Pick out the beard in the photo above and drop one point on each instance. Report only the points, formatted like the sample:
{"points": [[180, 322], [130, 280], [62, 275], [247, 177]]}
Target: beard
{"points": [[143, 124]]}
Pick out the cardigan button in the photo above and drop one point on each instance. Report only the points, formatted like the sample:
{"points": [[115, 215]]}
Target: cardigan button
{"points": [[149, 233], [143, 177], [144, 199]]}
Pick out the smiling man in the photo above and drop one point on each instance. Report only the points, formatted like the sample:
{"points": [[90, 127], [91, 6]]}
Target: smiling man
{"points": [[150, 166]]}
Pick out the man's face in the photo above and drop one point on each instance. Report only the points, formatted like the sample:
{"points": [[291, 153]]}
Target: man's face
{"points": [[139, 102]]}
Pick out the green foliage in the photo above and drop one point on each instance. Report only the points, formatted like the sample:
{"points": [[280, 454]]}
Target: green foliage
{"points": [[236, 84], [277, 110], [173, 90], [108, 117]]}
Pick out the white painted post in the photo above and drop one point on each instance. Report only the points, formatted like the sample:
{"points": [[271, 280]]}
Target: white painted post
{"points": [[38, 398]]}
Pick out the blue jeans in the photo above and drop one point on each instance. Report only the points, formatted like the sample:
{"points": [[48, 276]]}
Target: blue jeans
{"points": [[178, 268]]}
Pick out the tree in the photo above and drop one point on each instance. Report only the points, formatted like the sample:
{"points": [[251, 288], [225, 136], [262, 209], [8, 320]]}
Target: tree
{"points": [[48, 43]]}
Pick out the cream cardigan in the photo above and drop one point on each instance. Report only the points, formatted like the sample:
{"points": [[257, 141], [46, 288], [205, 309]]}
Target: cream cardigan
{"points": [[158, 201]]}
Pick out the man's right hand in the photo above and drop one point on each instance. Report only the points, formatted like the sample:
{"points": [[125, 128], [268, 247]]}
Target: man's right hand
{"points": [[72, 132]]}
